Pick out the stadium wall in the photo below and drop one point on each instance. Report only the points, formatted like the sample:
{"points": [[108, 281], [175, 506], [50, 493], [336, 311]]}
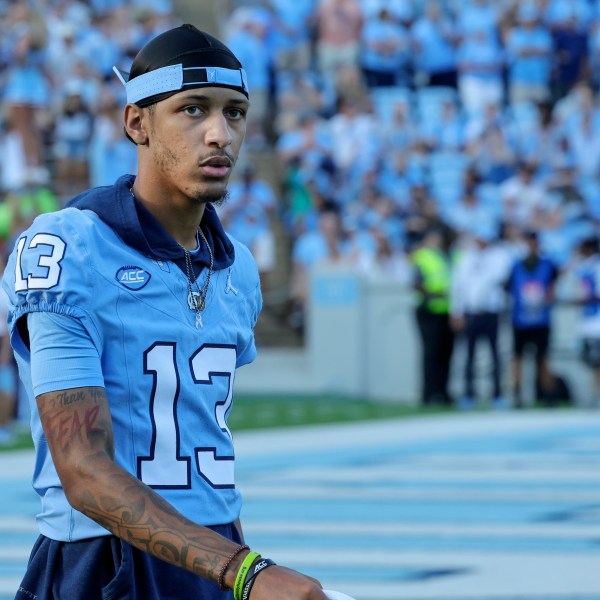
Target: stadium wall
{"points": [[362, 341]]}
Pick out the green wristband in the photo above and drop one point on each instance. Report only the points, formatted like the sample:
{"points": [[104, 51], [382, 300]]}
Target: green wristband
{"points": [[240, 578]]}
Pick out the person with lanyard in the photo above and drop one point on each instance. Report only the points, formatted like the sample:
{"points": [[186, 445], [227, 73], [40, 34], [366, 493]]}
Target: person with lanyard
{"points": [[531, 287], [129, 312]]}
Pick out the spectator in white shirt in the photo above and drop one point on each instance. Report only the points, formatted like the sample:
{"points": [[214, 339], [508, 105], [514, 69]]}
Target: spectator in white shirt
{"points": [[470, 209], [476, 303], [522, 197]]}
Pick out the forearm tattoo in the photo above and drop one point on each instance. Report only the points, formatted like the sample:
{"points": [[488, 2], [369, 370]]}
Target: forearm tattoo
{"points": [[75, 417], [78, 427], [141, 517]]}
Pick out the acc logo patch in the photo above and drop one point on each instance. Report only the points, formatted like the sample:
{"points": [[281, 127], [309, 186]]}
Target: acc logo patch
{"points": [[132, 277]]}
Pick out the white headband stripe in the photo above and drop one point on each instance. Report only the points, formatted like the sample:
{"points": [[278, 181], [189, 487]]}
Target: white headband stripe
{"points": [[234, 77], [170, 79]]}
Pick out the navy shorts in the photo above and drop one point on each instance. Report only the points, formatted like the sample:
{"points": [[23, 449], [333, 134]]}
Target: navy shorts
{"points": [[107, 568], [536, 338]]}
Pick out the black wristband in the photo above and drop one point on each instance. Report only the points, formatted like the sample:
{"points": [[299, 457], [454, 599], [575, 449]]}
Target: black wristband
{"points": [[260, 564]]}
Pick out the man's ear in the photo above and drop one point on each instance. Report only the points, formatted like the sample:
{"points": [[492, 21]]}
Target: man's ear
{"points": [[135, 122]]}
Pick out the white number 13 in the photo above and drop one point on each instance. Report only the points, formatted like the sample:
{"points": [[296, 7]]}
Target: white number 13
{"points": [[166, 467], [48, 265]]}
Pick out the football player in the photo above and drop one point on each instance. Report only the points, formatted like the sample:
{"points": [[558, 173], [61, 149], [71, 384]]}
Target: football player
{"points": [[130, 311]]}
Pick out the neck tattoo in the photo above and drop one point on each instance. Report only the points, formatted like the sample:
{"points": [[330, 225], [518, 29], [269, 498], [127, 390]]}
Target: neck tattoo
{"points": [[196, 297]]}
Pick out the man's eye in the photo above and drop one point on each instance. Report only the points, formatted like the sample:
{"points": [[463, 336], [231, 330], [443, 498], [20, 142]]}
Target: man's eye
{"points": [[192, 110], [236, 113]]}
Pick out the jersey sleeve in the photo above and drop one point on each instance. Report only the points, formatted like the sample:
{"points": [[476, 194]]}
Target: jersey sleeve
{"points": [[51, 270], [63, 355]]}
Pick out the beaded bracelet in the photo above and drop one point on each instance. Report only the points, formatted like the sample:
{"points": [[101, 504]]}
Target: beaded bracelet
{"points": [[227, 563]]}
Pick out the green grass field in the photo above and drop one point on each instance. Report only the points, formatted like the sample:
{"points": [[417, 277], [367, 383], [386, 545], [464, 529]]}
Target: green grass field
{"points": [[256, 412], [260, 412]]}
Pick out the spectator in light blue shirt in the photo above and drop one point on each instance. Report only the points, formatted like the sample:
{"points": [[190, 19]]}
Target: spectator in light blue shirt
{"points": [[476, 16], [559, 12], [103, 7], [248, 41], [480, 71], [384, 55], [434, 38], [323, 245], [26, 91], [160, 7], [403, 11], [583, 135], [98, 49], [394, 180], [246, 215], [249, 190], [545, 141], [446, 132], [469, 212], [399, 125], [529, 57], [292, 33], [111, 153]]}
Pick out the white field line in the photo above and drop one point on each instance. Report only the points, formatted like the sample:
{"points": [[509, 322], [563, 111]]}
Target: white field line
{"points": [[497, 531], [18, 524], [350, 493]]}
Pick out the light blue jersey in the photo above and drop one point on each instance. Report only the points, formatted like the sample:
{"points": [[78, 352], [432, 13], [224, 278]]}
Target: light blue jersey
{"points": [[168, 377]]}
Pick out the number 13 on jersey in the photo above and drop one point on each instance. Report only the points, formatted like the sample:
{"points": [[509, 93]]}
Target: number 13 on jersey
{"points": [[165, 467]]}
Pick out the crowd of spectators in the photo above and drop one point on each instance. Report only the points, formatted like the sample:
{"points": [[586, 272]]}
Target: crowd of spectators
{"points": [[61, 105], [386, 117], [390, 118], [61, 116], [392, 114]]}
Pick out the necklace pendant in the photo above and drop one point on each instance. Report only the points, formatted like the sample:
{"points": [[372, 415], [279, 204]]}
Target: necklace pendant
{"points": [[195, 301]]}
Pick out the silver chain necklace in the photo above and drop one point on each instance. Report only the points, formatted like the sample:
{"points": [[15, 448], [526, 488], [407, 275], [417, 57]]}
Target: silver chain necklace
{"points": [[197, 298]]}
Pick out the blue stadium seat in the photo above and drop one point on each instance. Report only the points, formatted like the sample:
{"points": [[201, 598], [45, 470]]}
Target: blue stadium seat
{"points": [[489, 195], [448, 165], [447, 176], [384, 100], [430, 100], [524, 117]]}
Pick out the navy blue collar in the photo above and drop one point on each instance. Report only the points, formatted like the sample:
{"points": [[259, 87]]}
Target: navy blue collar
{"points": [[138, 228]]}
